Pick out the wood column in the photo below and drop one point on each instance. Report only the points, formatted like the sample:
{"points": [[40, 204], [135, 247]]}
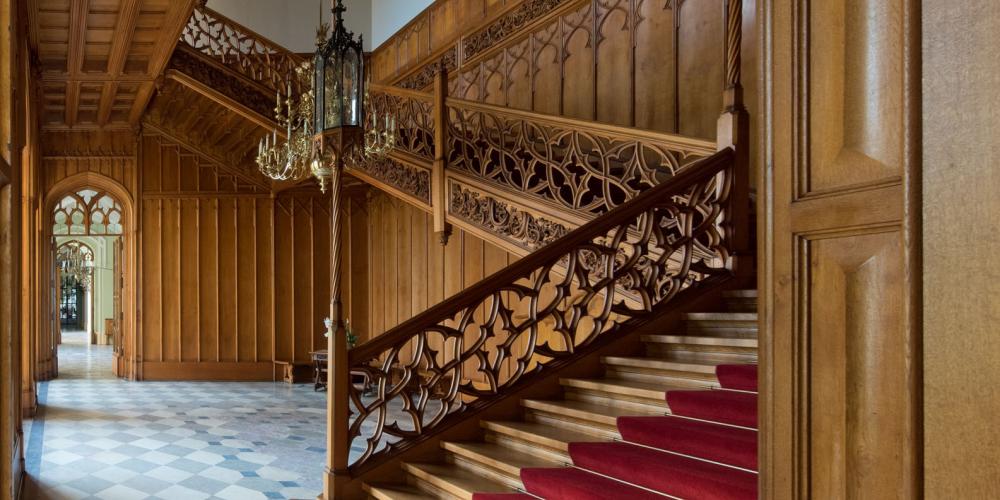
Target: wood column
{"points": [[338, 374], [734, 132], [439, 189]]}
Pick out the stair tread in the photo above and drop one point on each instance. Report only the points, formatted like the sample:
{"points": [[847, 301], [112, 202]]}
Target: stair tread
{"points": [[455, 480], [747, 293], [622, 386], [607, 414], [505, 459], [555, 437], [694, 365], [722, 316], [396, 492], [701, 340]]}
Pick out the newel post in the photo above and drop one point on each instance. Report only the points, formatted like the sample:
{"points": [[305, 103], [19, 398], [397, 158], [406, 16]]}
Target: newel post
{"points": [[439, 190], [338, 372], [734, 132]]}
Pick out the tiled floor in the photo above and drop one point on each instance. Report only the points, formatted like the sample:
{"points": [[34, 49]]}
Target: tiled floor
{"points": [[99, 437]]}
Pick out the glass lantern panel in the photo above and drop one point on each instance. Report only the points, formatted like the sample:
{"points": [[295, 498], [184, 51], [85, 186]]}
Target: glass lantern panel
{"points": [[318, 77], [352, 89], [332, 94]]}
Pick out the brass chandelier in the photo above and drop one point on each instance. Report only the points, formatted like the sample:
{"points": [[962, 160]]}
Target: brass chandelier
{"points": [[289, 160], [76, 264]]}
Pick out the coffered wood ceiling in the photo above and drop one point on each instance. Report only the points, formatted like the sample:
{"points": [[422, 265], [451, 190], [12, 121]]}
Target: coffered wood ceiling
{"points": [[98, 59]]}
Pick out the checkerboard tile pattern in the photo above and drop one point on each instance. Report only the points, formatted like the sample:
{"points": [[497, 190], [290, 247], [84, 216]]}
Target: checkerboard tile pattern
{"points": [[99, 437]]}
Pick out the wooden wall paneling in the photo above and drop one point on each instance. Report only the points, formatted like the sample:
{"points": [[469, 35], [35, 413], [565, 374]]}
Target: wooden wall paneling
{"points": [[228, 281], [578, 60], [839, 344], [152, 317], [302, 253], [284, 283], [517, 75], [246, 275], [655, 68], [264, 278], [700, 67], [614, 61], [961, 117], [546, 69], [190, 258], [170, 267], [208, 281], [360, 267]]}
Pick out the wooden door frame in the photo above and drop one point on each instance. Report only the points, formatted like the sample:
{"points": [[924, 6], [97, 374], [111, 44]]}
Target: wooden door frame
{"points": [[129, 237]]}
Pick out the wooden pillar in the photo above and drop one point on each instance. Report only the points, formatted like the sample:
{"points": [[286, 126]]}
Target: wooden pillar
{"points": [[338, 374], [439, 189], [734, 132]]}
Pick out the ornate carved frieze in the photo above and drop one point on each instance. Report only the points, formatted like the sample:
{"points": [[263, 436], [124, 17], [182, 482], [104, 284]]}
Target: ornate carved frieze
{"points": [[507, 25], [425, 77], [411, 180], [525, 229]]}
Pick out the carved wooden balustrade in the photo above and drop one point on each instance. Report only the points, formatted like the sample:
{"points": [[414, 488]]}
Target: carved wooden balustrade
{"points": [[612, 273], [241, 49], [518, 178]]}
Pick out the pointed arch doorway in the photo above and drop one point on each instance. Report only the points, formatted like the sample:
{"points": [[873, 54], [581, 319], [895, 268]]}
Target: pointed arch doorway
{"points": [[91, 206]]}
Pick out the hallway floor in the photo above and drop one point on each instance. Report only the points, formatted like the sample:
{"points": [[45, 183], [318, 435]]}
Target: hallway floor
{"points": [[99, 437]]}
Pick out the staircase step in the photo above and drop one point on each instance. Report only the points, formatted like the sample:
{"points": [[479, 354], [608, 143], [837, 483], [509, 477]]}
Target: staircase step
{"points": [[576, 484], [705, 440], [700, 369], [665, 472], [606, 415], [729, 407], [644, 393], [536, 433], [505, 460], [454, 480], [396, 492], [727, 324], [738, 377], [701, 341], [740, 300]]}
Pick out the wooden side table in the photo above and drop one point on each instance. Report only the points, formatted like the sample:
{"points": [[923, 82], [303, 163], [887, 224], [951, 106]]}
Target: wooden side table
{"points": [[358, 378]]}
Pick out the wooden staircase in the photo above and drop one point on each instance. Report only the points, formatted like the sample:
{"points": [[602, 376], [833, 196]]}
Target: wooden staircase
{"points": [[630, 386]]}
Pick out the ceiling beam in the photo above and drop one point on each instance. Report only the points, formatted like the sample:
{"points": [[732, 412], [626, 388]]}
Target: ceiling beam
{"points": [[59, 77], [170, 33], [142, 97], [78, 10], [72, 102], [107, 100], [128, 14]]}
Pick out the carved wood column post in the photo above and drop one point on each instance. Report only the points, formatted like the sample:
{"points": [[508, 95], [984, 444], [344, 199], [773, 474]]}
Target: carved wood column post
{"points": [[734, 131], [439, 189], [332, 149]]}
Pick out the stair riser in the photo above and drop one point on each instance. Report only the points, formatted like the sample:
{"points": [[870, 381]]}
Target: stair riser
{"points": [[664, 377], [562, 422], [583, 418], [519, 444], [623, 401], [737, 329], [432, 489], [478, 468], [739, 304], [710, 353]]}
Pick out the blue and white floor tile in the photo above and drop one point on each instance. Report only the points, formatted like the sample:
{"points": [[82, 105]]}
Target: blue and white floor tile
{"points": [[97, 437]]}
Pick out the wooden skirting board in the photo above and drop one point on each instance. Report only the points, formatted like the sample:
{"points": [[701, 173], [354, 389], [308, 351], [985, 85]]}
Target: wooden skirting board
{"points": [[230, 371]]}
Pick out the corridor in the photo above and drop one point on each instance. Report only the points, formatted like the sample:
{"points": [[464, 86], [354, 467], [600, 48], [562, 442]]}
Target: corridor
{"points": [[97, 437]]}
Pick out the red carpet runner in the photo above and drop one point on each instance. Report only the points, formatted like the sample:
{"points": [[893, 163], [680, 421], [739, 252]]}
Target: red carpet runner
{"points": [[705, 450]]}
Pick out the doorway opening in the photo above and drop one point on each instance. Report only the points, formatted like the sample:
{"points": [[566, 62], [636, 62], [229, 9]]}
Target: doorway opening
{"points": [[86, 273]]}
